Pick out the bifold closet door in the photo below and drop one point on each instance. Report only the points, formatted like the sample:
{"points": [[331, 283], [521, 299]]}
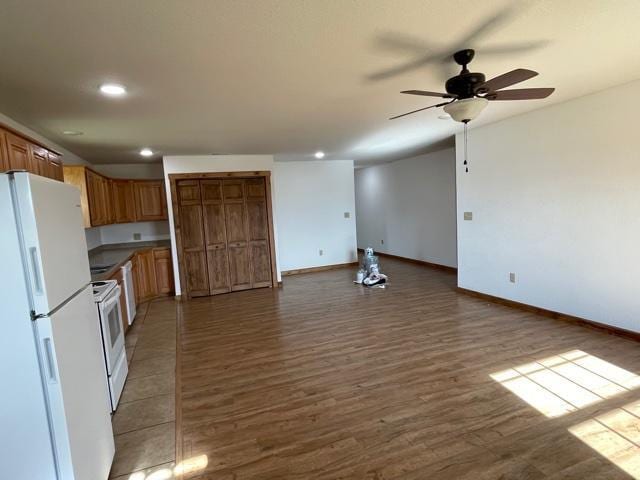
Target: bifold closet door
{"points": [[258, 230], [215, 236], [192, 236], [237, 235]]}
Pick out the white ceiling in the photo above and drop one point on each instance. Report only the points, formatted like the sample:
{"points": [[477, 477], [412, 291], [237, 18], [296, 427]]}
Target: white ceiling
{"points": [[286, 77]]}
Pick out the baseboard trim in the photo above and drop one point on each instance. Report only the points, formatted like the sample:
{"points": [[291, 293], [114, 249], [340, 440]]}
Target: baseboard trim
{"points": [[424, 263], [322, 268], [552, 314]]}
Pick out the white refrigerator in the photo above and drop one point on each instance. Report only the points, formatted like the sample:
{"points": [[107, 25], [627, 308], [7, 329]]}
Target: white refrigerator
{"points": [[54, 406]]}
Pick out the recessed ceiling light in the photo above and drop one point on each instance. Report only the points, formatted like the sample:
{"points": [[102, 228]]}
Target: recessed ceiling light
{"points": [[319, 154], [444, 116], [113, 89], [146, 152], [72, 133]]}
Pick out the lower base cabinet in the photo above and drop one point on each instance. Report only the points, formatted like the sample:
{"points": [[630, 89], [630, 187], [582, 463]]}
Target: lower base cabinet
{"points": [[152, 273]]}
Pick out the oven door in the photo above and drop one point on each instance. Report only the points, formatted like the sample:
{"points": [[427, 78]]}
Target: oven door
{"points": [[112, 333]]}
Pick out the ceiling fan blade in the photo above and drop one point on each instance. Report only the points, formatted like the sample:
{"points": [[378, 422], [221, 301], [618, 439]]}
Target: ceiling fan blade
{"points": [[506, 80], [520, 94], [424, 93], [419, 110]]}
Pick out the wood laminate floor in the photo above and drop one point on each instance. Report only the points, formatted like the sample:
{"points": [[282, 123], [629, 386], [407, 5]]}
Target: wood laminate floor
{"points": [[324, 379]]}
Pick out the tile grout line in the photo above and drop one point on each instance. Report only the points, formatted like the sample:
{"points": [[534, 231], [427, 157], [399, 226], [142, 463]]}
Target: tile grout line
{"points": [[178, 386]]}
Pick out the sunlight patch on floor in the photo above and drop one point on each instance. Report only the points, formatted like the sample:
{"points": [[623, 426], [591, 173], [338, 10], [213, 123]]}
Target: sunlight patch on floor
{"points": [[616, 436], [190, 465], [567, 382]]}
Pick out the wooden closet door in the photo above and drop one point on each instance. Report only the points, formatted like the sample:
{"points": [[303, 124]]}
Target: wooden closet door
{"points": [[258, 228], [215, 236], [237, 235], [192, 236]]}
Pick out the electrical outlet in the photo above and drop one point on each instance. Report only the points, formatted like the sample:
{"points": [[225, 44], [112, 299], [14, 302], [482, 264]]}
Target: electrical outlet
{"points": [[468, 215], [137, 236], [347, 214], [320, 252], [512, 277]]}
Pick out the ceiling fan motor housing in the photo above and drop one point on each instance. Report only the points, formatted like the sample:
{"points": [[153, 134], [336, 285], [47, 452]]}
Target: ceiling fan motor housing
{"points": [[465, 84]]}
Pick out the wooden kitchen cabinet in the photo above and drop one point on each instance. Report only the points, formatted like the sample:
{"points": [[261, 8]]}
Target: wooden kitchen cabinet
{"points": [[18, 152], [163, 271], [146, 275], [106, 201], [150, 200], [123, 201]]}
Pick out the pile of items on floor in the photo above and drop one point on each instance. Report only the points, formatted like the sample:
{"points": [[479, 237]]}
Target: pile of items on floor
{"points": [[369, 273]]}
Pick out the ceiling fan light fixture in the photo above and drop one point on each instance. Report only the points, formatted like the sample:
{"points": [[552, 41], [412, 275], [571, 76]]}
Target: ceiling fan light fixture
{"points": [[466, 109]]}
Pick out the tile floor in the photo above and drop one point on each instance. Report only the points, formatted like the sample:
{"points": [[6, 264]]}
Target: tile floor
{"points": [[144, 424]]}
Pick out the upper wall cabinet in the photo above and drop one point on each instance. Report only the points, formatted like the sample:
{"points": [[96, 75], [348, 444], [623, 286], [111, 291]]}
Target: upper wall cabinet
{"points": [[151, 200], [20, 153], [105, 201], [124, 207]]}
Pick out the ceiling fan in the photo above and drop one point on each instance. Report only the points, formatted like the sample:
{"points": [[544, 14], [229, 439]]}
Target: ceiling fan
{"points": [[469, 92]]}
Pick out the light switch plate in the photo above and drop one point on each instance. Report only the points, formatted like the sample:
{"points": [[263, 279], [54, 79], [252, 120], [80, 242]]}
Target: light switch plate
{"points": [[137, 236], [468, 215], [320, 252], [512, 277]]}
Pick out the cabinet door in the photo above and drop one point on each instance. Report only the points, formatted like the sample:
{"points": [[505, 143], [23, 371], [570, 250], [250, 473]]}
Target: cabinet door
{"points": [[107, 199], [123, 201], [55, 167], [258, 230], [136, 278], [146, 275], [194, 256], [39, 160], [151, 202], [215, 236], [94, 194], [4, 156], [17, 152], [237, 237], [163, 270]]}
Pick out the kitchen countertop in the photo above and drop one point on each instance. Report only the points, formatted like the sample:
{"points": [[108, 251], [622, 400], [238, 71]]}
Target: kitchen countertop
{"points": [[116, 254]]}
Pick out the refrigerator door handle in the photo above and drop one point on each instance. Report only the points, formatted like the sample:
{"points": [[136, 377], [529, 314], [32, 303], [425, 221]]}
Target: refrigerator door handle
{"points": [[48, 353], [35, 267]]}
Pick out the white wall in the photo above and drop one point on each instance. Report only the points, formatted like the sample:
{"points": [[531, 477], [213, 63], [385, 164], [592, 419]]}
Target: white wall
{"points": [[211, 163], [555, 196], [409, 204], [68, 158], [311, 198], [123, 232], [93, 237]]}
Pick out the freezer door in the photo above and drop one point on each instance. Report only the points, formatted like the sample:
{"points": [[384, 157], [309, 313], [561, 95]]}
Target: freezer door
{"points": [[54, 243], [26, 449], [77, 389]]}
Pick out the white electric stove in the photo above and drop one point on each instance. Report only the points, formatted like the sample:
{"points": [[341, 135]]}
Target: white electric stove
{"points": [[106, 295]]}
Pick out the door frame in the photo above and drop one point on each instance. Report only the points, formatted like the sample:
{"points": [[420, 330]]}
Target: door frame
{"points": [[175, 177]]}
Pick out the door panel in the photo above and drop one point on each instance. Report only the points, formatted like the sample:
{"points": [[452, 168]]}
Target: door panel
{"points": [[195, 273], [261, 264], [214, 224], [192, 238], [235, 222], [218, 267], [239, 267], [191, 227], [233, 191], [258, 226]]}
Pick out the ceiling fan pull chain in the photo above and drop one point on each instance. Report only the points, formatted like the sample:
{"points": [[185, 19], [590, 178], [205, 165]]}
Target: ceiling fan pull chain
{"points": [[466, 169]]}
